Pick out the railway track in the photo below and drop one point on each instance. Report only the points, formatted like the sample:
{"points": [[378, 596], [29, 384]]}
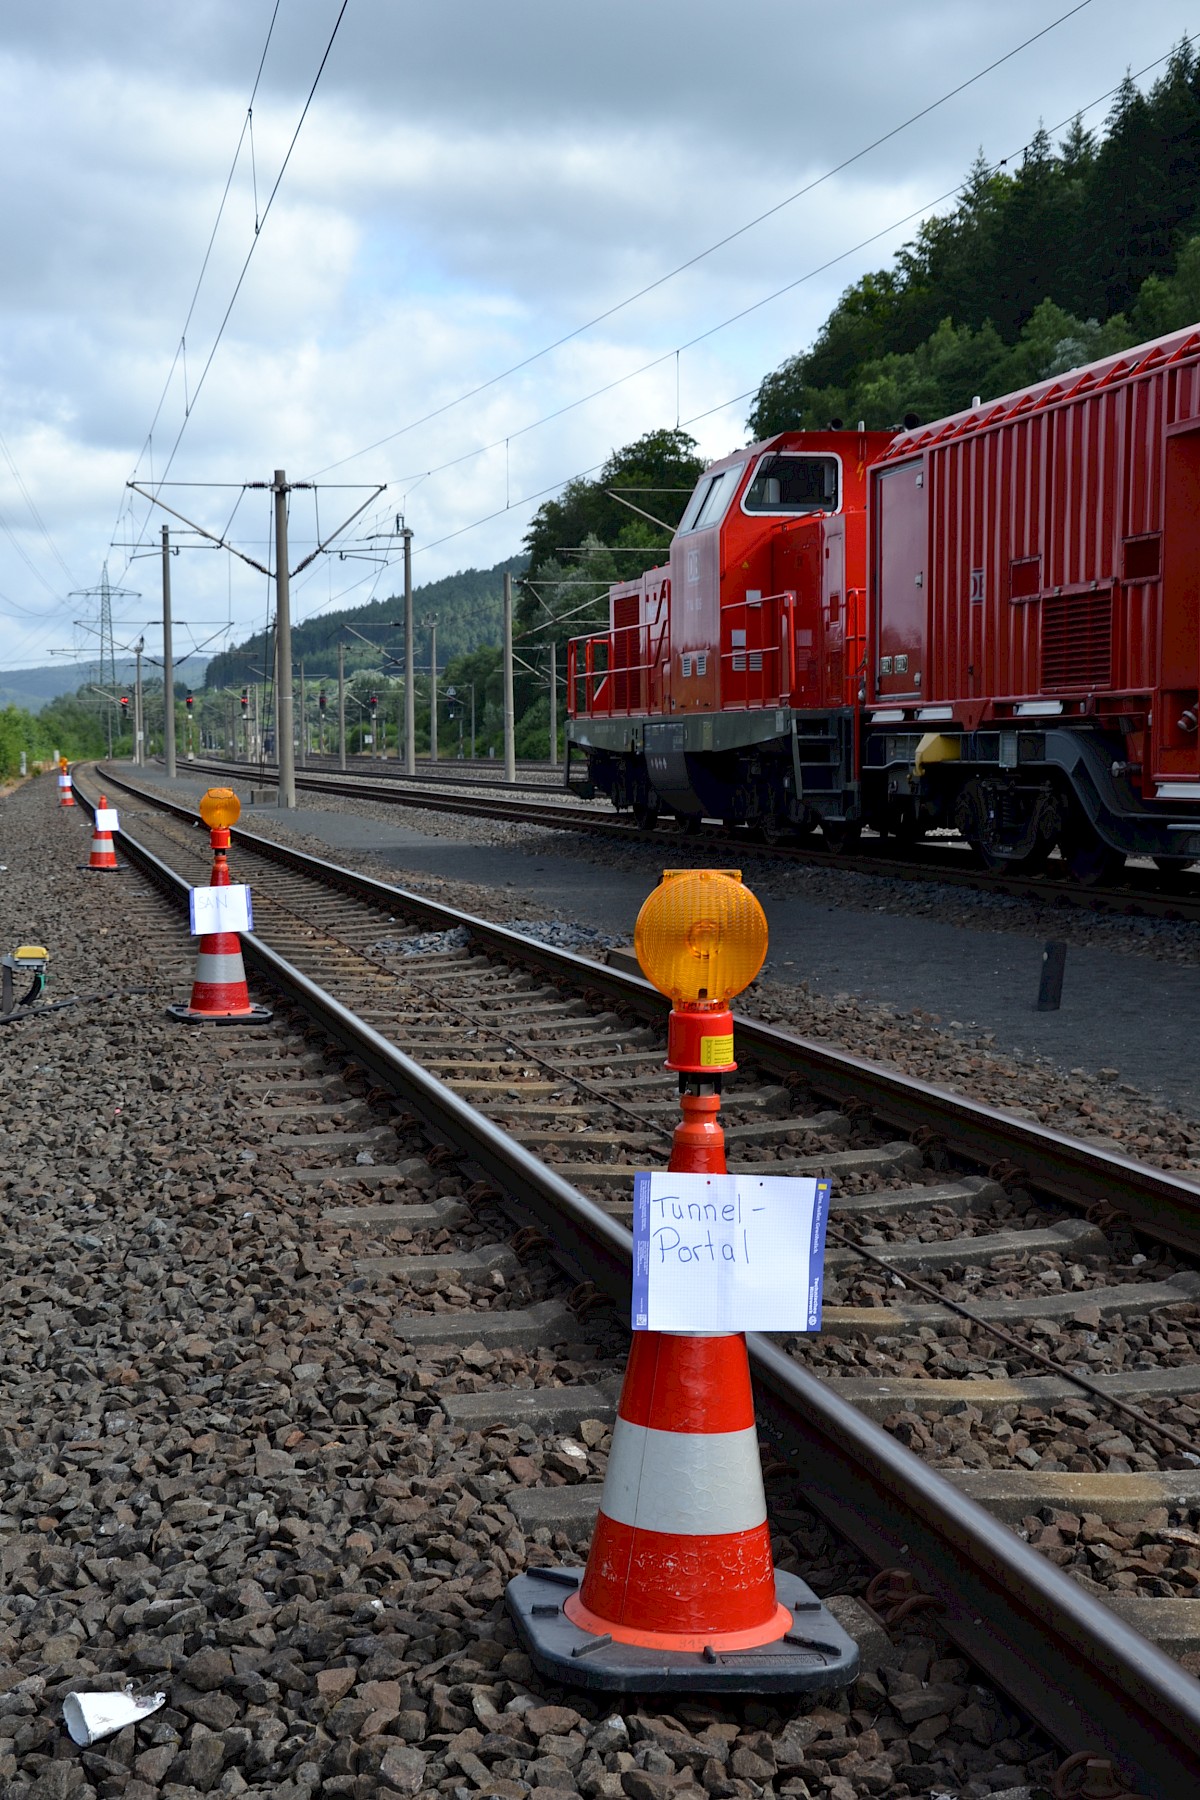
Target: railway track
{"points": [[1142, 891], [1046, 1361]]}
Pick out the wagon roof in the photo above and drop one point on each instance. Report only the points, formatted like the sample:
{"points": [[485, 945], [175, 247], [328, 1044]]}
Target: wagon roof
{"points": [[1108, 372]]}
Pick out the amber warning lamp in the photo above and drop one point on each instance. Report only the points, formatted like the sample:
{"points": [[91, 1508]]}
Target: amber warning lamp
{"points": [[700, 938], [220, 808]]}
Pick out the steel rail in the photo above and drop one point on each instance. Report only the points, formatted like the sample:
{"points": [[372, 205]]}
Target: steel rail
{"points": [[1162, 1204], [1140, 894], [1085, 1676]]}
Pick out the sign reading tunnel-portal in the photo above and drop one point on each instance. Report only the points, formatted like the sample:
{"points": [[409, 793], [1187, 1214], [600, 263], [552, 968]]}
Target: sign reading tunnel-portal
{"points": [[728, 1252]]}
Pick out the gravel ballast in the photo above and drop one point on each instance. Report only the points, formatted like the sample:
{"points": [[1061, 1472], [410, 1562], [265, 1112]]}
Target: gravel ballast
{"points": [[224, 1474]]}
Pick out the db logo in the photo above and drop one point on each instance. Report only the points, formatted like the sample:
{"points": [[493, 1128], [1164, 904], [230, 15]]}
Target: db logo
{"points": [[693, 565], [976, 587]]}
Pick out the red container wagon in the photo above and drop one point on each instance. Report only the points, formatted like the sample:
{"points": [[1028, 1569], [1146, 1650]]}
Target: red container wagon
{"points": [[729, 683], [1033, 647]]}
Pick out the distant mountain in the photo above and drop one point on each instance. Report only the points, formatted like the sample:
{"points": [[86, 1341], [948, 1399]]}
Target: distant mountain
{"points": [[34, 688]]}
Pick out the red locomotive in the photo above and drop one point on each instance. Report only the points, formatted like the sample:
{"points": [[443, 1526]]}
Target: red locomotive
{"points": [[990, 623]]}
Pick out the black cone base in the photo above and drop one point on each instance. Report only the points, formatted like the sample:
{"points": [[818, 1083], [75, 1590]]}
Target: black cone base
{"points": [[815, 1657], [183, 1014]]}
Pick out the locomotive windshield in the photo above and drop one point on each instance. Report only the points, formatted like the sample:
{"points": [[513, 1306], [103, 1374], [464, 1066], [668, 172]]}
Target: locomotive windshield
{"points": [[787, 483], [713, 494]]}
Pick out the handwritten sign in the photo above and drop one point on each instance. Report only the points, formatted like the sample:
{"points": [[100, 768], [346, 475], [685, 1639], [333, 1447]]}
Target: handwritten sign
{"points": [[106, 818], [728, 1252], [220, 909]]}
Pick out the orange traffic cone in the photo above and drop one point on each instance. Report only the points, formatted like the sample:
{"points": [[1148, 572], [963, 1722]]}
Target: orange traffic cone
{"points": [[103, 856], [65, 796], [679, 1593], [219, 992], [681, 1556]]}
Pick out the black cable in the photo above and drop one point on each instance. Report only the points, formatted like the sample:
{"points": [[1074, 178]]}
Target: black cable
{"points": [[729, 238], [212, 236], [755, 305], [250, 253]]}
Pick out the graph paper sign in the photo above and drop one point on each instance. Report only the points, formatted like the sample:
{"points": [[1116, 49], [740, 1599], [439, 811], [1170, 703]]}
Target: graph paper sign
{"points": [[728, 1252], [221, 909]]}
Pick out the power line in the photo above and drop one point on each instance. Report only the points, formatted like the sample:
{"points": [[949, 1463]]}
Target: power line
{"points": [[34, 513], [919, 212], [729, 238], [666, 356], [208, 252], [250, 253]]}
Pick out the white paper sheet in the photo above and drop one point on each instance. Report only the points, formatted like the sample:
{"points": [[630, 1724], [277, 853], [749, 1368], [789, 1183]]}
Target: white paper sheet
{"points": [[221, 909], [728, 1252]]}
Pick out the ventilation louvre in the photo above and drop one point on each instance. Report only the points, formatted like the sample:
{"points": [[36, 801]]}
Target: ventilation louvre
{"points": [[1077, 640]]}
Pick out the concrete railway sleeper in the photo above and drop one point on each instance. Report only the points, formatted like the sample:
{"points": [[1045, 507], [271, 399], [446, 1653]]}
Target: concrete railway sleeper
{"points": [[991, 1243]]}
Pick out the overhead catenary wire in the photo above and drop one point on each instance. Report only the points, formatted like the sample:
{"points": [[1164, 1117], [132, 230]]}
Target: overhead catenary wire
{"points": [[919, 212], [632, 374], [212, 238], [667, 356], [710, 249], [707, 412], [237, 288]]}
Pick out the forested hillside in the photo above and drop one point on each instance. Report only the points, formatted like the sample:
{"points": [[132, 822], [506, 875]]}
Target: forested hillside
{"points": [[467, 608], [1088, 246]]}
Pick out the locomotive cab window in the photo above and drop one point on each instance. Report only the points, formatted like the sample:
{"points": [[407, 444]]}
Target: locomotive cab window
{"points": [[707, 505], [791, 483]]}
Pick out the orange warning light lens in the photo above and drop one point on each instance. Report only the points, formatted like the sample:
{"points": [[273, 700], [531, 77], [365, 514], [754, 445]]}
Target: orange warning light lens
{"points": [[701, 936], [220, 808]]}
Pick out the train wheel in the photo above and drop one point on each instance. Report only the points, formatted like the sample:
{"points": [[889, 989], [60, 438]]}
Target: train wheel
{"points": [[841, 836], [689, 824], [645, 815], [769, 830], [1090, 861]]}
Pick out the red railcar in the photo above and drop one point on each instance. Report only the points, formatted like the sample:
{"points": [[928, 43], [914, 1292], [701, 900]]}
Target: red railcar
{"points": [[992, 621], [728, 682]]}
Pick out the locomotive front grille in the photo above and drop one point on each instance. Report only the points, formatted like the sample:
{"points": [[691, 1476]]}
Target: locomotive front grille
{"points": [[1077, 640]]}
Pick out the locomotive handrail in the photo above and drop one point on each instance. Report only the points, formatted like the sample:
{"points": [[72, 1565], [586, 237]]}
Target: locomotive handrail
{"points": [[602, 688]]}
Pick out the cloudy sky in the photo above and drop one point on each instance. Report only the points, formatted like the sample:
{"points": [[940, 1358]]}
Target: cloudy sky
{"points": [[450, 258]]}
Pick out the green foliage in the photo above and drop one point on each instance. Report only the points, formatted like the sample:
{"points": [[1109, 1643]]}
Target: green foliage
{"points": [[74, 724], [579, 545], [1079, 251], [663, 460], [19, 731], [70, 725], [467, 607]]}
